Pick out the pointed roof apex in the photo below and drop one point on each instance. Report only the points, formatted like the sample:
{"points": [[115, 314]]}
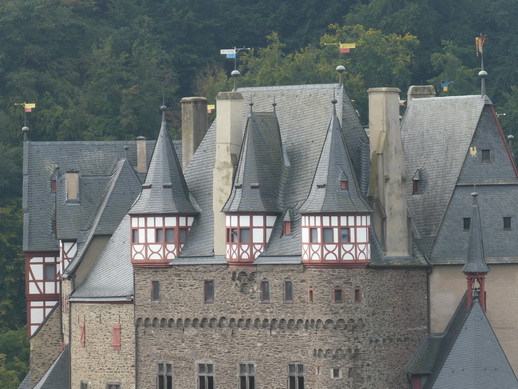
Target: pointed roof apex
{"points": [[475, 262]]}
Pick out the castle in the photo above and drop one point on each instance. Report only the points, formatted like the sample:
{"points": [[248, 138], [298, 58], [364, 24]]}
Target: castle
{"points": [[291, 250]]}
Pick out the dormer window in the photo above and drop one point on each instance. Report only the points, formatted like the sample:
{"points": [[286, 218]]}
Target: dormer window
{"points": [[486, 155], [344, 185], [287, 228], [466, 223], [72, 185]]}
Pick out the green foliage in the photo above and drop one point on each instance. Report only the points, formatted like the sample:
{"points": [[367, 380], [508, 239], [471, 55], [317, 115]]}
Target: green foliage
{"points": [[14, 357]]}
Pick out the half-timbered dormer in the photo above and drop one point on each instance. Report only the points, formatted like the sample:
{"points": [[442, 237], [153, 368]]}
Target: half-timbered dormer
{"points": [[162, 215], [335, 217], [252, 208]]}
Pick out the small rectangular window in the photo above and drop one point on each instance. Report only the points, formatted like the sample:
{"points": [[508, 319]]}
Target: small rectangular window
{"points": [[344, 235], [208, 291], [113, 386], [155, 291], [205, 376], [344, 185], [246, 376], [116, 336], [311, 295], [336, 373], [50, 272], [183, 232], [265, 292], [486, 155], [295, 376], [169, 235], [288, 291], [338, 295], [233, 236], [313, 235], [134, 236], [466, 223], [357, 295], [415, 186], [287, 228], [507, 223], [165, 376], [245, 235], [159, 235], [328, 235]]}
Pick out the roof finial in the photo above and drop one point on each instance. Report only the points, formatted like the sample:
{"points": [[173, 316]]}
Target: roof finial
{"points": [[479, 43], [163, 108], [235, 74], [274, 105], [251, 104], [340, 69], [334, 101], [25, 131]]}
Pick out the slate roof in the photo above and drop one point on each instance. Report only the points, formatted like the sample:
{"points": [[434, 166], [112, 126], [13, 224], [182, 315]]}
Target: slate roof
{"points": [[303, 113], [475, 262], [165, 190], [466, 356], [58, 375], [111, 278], [96, 163]]}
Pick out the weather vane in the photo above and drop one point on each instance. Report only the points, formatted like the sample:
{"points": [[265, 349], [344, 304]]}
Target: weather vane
{"points": [[232, 53]]}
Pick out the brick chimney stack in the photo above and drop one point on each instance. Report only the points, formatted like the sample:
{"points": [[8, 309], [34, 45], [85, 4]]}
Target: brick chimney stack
{"points": [[141, 155], [194, 126]]}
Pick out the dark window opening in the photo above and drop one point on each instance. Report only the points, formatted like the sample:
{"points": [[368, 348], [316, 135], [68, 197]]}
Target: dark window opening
{"points": [[295, 376], [265, 292], [205, 376], [415, 186], [246, 376], [208, 291], [486, 155], [134, 236], [338, 295], [183, 232], [288, 291], [169, 235], [311, 295], [344, 185], [159, 235], [155, 290], [466, 223], [507, 223], [328, 235], [84, 385], [313, 235], [165, 376], [344, 235], [50, 272], [113, 386], [245, 235], [336, 373], [357, 295]]}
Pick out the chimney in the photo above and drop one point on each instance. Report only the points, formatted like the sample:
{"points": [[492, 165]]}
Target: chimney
{"points": [[390, 217], [194, 126], [229, 106], [419, 92], [141, 155]]}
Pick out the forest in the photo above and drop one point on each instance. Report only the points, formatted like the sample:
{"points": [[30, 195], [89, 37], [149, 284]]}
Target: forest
{"points": [[99, 70]]}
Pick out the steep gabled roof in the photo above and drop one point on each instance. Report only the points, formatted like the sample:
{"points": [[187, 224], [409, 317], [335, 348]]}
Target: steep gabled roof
{"points": [[334, 166], [58, 375], [257, 184], [165, 190], [475, 262]]}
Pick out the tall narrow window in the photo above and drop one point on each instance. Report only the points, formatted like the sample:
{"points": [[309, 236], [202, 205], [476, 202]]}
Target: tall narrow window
{"points": [[357, 295], [344, 185], [72, 182], [245, 235], [287, 228], [164, 376], [205, 376], [208, 291], [183, 232], [328, 235], [82, 334], [466, 223], [313, 235], [344, 235], [155, 291], [311, 295], [338, 295], [288, 291], [134, 236], [295, 376], [507, 223], [50, 272], [246, 376], [265, 292], [336, 373], [169, 235], [116, 336], [159, 235]]}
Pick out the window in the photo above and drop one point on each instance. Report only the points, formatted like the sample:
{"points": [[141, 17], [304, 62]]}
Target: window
{"points": [[328, 235], [357, 295], [246, 376], [205, 376], [344, 235], [415, 186], [72, 182], [164, 379], [116, 336], [311, 295], [265, 292], [113, 386], [155, 291], [336, 373], [245, 235], [208, 291], [295, 376], [344, 185], [287, 228], [50, 272], [466, 223], [338, 295], [159, 235], [313, 235], [288, 291], [82, 334], [238, 235], [53, 186], [84, 385], [507, 223], [183, 234], [169, 235], [486, 155], [134, 236]]}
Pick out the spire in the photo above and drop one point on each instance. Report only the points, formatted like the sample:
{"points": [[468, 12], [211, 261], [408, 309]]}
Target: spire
{"points": [[334, 188], [165, 190]]}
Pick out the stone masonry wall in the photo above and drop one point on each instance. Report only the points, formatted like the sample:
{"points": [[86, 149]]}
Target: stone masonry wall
{"points": [[97, 363], [368, 342], [45, 346]]}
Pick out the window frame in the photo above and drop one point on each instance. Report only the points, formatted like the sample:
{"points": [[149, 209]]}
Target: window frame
{"points": [[485, 155], [298, 377], [311, 295], [288, 291], [248, 376], [205, 379], [155, 291], [358, 295], [209, 291], [166, 373], [113, 385], [264, 291], [341, 294], [466, 223], [507, 223]]}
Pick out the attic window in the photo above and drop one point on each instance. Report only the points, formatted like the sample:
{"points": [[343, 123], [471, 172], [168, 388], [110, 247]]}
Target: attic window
{"points": [[466, 223], [53, 185], [344, 185], [415, 186], [72, 181], [287, 228], [238, 186], [321, 186], [167, 186], [146, 186], [254, 186], [507, 223], [486, 155]]}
